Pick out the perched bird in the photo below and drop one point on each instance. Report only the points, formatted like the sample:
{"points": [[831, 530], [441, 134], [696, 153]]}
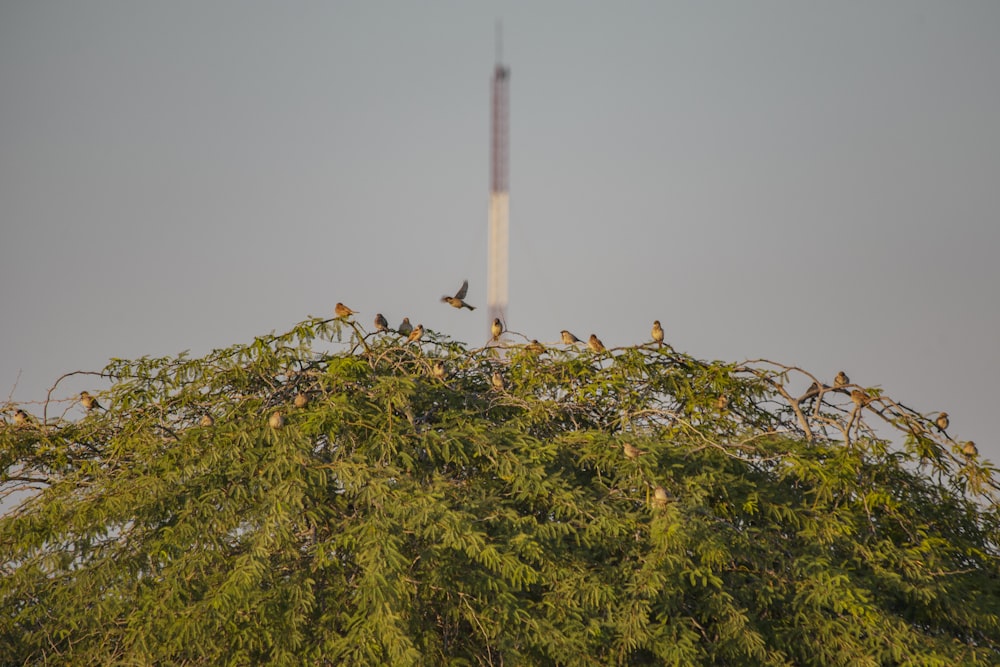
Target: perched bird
{"points": [[534, 347], [631, 451], [497, 381], [300, 400], [88, 401], [416, 334], [942, 421], [438, 369], [811, 392], [660, 497], [841, 380], [657, 333], [496, 328], [859, 397], [456, 301], [405, 327], [343, 311], [723, 402], [380, 323], [969, 449], [21, 417], [568, 338], [276, 420], [206, 421], [595, 344]]}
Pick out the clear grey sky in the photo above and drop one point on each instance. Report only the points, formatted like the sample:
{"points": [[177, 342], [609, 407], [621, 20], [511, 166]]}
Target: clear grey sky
{"points": [[817, 183]]}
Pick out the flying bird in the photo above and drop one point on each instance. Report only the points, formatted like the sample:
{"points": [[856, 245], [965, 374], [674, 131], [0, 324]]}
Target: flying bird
{"points": [[657, 333], [88, 401], [380, 323], [405, 328], [568, 338], [595, 344], [457, 300], [343, 311], [942, 421], [496, 328], [416, 334], [841, 380]]}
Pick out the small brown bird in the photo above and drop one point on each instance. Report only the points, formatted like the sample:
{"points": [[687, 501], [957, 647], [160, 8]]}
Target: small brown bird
{"points": [[969, 449], [88, 401], [657, 333], [457, 300], [811, 392], [595, 344], [568, 338], [841, 380], [631, 451], [405, 328], [859, 397], [416, 334], [497, 381], [21, 417], [496, 328], [206, 421], [660, 497], [301, 400], [438, 369], [343, 311], [380, 323], [942, 421], [723, 402], [534, 347], [276, 420]]}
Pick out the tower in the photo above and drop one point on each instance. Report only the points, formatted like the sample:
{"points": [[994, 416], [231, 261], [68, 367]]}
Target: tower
{"points": [[496, 296]]}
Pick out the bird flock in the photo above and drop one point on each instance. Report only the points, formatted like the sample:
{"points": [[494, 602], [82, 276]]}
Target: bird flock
{"points": [[413, 334]]}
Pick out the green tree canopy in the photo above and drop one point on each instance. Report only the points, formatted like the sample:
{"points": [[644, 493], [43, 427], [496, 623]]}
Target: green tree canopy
{"points": [[327, 496]]}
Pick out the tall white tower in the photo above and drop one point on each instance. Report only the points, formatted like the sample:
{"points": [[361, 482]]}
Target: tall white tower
{"points": [[499, 196]]}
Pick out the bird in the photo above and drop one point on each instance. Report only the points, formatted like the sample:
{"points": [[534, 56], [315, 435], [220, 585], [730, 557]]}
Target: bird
{"points": [[859, 397], [942, 421], [534, 347], [300, 400], [496, 328], [657, 333], [416, 334], [595, 344], [405, 327], [811, 392], [88, 401], [723, 402], [343, 311], [206, 421], [21, 417], [438, 369], [568, 338], [276, 420], [497, 381], [456, 301], [380, 323], [631, 451], [660, 497], [969, 449], [841, 380]]}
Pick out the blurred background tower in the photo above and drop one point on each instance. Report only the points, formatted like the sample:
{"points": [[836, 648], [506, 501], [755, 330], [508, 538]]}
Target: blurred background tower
{"points": [[499, 196]]}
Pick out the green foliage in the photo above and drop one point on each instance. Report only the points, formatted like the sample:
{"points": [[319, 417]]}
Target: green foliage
{"points": [[598, 509]]}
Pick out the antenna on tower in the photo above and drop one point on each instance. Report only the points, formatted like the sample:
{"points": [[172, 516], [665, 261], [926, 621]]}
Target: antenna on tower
{"points": [[499, 196]]}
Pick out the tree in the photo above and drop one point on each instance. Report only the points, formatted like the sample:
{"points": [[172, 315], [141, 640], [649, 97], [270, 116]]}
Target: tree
{"points": [[328, 497]]}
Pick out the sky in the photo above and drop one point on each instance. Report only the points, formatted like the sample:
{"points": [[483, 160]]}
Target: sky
{"points": [[812, 183]]}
